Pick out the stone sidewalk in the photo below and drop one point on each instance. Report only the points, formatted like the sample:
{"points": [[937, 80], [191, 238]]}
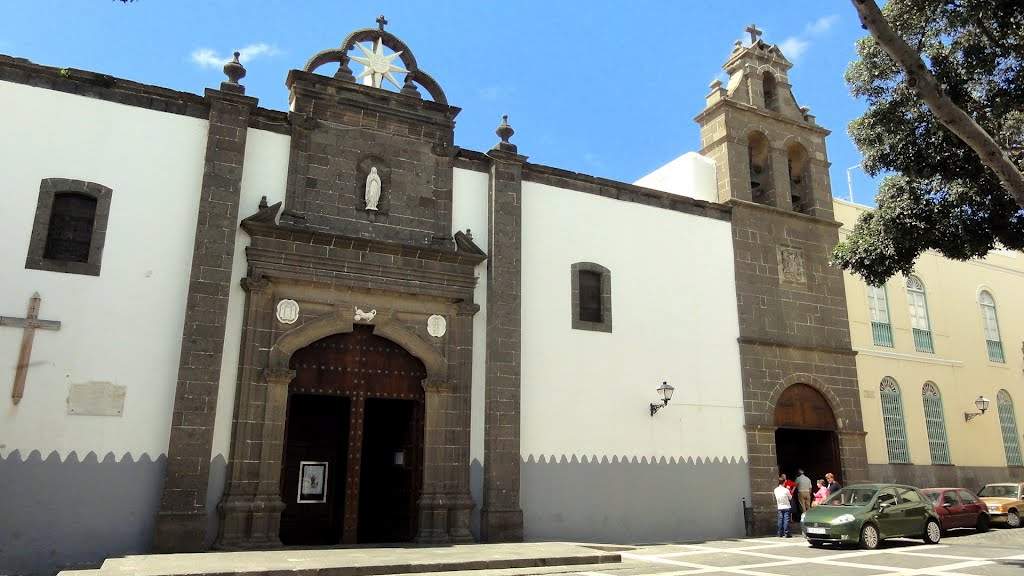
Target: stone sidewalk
{"points": [[356, 561]]}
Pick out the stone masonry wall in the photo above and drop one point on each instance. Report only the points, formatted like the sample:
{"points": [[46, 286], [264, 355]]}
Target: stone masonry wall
{"points": [[181, 523]]}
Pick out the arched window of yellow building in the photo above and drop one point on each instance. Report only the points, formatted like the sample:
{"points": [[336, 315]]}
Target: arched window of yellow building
{"points": [[892, 419], [935, 422], [1008, 424], [878, 305], [919, 321], [993, 341]]}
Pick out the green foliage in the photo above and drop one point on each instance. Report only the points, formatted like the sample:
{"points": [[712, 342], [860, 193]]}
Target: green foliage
{"points": [[938, 195]]}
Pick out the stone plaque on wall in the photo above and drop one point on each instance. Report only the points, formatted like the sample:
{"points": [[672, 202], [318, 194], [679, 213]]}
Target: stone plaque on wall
{"points": [[791, 265], [96, 399]]}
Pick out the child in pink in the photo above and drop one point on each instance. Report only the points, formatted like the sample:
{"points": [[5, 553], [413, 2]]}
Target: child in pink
{"points": [[821, 493]]}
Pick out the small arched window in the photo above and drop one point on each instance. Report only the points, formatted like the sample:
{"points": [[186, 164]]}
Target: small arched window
{"points": [[69, 234], [1008, 425], [919, 320], [993, 341], [935, 422], [878, 305], [771, 91], [762, 188], [591, 297], [800, 192], [892, 419]]}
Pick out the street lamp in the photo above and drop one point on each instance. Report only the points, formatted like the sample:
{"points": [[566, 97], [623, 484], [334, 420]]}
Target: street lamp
{"points": [[982, 405], [665, 391]]}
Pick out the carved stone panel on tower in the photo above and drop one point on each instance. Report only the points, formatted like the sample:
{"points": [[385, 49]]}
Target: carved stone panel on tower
{"points": [[371, 153]]}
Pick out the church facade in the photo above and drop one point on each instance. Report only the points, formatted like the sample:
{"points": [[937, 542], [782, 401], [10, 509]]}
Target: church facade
{"points": [[250, 328]]}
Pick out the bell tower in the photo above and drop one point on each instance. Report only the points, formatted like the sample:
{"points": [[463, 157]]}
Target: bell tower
{"points": [[768, 149], [772, 170]]}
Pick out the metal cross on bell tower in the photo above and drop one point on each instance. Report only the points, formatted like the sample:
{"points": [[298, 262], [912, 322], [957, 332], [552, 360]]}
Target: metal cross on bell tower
{"points": [[755, 33], [381, 22]]}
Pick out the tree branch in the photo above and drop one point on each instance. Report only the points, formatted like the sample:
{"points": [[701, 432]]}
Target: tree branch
{"points": [[945, 110]]}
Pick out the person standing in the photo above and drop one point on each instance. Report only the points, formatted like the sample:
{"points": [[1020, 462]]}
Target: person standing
{"points": [[833, 485], [803, 490], [821, 494], [784, 501]]}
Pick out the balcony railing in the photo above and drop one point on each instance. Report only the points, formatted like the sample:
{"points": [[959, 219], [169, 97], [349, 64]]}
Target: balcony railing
{"points": [[882, 334], [995, 351], [923, 341]]}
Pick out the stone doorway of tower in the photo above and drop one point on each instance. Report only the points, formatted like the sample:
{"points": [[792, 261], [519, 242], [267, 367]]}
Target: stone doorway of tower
{"points": [[805, 434], [353, 453]]}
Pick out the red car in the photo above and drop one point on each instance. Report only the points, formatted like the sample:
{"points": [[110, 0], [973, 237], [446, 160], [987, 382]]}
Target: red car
{"points": [[958, 508]]}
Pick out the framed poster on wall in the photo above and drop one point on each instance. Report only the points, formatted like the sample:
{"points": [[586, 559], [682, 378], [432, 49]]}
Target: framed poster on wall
{"points": [[312, 482]]}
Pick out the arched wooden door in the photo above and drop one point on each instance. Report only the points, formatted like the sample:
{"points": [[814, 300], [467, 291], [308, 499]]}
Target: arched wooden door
{"points": [[353, 457], [805, 435]]}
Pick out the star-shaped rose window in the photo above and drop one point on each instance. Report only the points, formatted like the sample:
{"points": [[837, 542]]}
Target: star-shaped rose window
{"points": [[377, 66]]}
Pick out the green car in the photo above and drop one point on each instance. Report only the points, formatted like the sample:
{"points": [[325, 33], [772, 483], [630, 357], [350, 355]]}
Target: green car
{"points": [[866, 514]]}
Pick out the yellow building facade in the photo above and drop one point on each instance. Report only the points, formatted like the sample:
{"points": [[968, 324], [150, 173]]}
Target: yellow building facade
{"points": [[928, 346]]}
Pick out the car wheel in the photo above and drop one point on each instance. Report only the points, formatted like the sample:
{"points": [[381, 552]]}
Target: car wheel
{"points": [[932, 532], [869, 537], [984, 522], [1013, 519]]}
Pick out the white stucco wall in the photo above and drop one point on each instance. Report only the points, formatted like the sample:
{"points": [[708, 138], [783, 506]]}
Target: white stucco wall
{"points": [[125, 325], [674, 319], [690, 175], [469, 211], [264, 173]]}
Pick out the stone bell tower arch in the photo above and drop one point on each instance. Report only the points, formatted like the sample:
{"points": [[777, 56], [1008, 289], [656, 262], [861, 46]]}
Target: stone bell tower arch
{"points": [[772, 169]]}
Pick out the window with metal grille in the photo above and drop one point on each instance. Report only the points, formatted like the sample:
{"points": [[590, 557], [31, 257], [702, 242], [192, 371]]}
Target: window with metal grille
{"points": [[892, 419], [590, 296], [919, 321], [1008, 424], [878, 304], [935, 422], [993, 341], [69, 234]]}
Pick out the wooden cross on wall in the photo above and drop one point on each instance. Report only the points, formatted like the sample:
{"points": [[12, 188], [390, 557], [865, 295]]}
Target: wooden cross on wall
{"points": [[29, 323]]}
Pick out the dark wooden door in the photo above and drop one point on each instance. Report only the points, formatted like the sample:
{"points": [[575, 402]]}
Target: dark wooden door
{"points": [[382, 386], [317, 431], [801, 406]]}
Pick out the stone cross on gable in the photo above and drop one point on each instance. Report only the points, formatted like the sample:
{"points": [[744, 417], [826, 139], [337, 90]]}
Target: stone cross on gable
{"points": [[29, 323], [755, 33]]}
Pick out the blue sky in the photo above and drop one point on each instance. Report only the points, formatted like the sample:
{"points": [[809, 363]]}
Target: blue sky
{"points": [[608, 88]]}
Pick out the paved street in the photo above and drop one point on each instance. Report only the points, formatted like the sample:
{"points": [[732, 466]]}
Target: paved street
{"points": [[961, 553]]}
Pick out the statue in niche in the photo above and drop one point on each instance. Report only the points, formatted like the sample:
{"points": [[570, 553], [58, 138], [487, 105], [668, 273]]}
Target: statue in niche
{"points": [[372, 189]]}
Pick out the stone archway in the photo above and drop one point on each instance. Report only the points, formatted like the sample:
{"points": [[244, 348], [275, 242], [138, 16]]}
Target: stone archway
{"points": [[250, 510], [805, 434]]}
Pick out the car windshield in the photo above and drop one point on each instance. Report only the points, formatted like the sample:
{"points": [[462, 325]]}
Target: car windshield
{"points": [[851, 497], [998, 491]]}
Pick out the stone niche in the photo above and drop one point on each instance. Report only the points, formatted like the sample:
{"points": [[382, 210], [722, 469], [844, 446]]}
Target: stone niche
{"points": [[341, 129]]}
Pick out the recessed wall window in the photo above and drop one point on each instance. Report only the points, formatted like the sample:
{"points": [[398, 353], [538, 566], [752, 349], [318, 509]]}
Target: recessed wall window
{"points": [[892, 419], [1008, 425], [919, 320], [993, 341], [70, 227], [591, 297], [878, 305], [935, 423]]}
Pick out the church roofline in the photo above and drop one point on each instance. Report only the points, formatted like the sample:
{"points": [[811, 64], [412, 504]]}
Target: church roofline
{"points": [[109, 88]]}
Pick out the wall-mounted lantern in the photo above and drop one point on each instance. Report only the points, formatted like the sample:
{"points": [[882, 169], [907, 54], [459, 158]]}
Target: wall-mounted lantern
{"points": [[982, 404], [665, 391]]}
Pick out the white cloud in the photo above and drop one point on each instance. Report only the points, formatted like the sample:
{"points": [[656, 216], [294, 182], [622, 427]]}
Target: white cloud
{"points": [[208, 58], [822, 25], [793, 47]]}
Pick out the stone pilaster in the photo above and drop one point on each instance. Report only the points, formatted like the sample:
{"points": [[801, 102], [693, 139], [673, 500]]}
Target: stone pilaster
{"points": [[181, 522], [501, 518], [461, 367]]}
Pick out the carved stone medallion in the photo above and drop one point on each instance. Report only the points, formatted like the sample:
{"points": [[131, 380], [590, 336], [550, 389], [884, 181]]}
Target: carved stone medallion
{"points": [[287, 311], [437, 325], [791, 265]]}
